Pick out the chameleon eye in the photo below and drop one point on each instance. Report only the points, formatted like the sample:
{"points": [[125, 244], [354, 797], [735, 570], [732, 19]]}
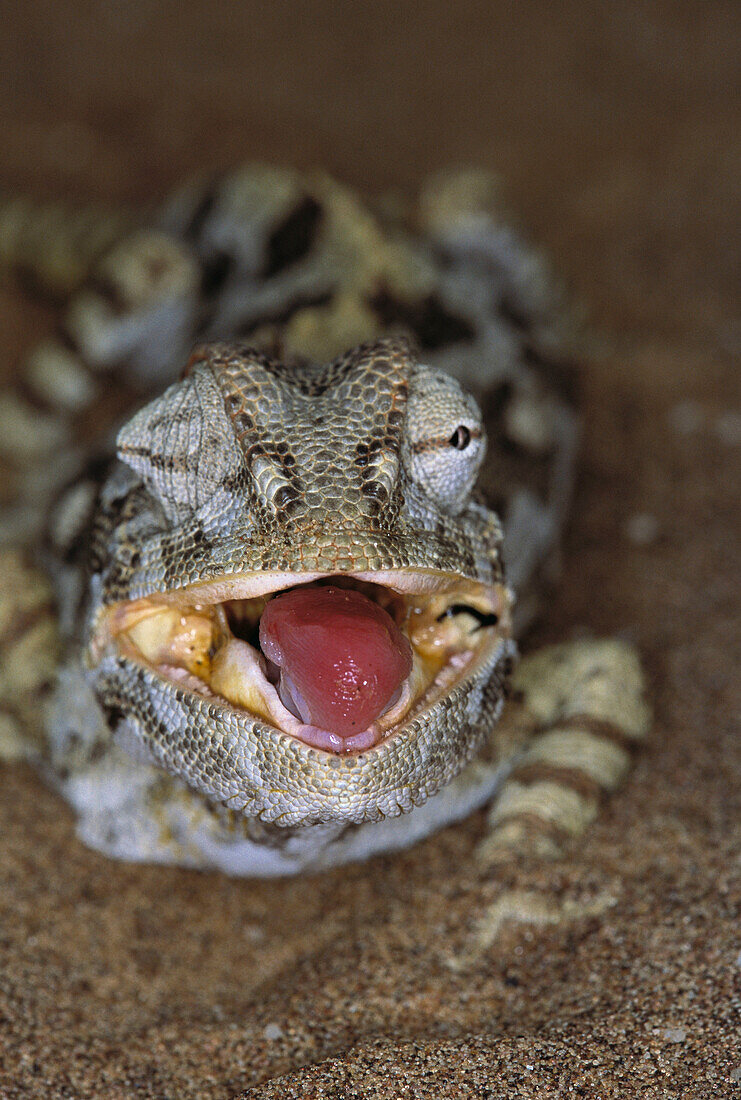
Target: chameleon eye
{"points": [[460, 438], [445, 438]]}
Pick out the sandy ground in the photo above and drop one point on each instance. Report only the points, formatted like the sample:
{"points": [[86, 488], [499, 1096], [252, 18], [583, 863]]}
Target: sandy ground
{"points": [[613, 125]]}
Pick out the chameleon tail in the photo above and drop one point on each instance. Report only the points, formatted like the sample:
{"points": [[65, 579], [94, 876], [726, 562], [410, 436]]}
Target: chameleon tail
{"points": [[29, 652], [585, 704]]}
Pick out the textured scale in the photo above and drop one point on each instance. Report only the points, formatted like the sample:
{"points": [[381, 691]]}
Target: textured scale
{"points": [[303, 359]]}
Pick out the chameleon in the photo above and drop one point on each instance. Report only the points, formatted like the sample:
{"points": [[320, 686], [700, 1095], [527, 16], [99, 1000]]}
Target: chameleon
{"points": [[282, 494]]}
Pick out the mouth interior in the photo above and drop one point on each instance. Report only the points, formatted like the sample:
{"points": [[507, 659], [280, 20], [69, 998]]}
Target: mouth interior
{"points": [[208, 639]]}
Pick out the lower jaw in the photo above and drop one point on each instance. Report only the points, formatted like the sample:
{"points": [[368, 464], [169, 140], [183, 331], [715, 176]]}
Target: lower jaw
{"points": [[259, 771]]}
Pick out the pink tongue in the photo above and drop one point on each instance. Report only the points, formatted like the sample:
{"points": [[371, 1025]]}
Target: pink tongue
{"points": [[342, 657]]}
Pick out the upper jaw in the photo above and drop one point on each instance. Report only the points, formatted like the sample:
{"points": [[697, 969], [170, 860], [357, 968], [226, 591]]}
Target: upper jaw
{"points": [[184, 636], [173, 563], [413, 581]]}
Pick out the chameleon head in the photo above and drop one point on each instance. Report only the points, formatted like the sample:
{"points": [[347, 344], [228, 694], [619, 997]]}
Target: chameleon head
{"points": [[252, 482]]}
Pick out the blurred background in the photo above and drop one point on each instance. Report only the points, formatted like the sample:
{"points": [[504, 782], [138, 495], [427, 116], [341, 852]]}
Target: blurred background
{"points": [[615, 129], [613, 125]]}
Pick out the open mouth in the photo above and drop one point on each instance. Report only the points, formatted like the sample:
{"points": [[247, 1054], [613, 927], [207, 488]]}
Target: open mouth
{"points": [[341, 662]]}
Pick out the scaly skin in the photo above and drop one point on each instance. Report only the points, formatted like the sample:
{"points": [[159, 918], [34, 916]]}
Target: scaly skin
{"points": [[259, 471], [253, 470]]}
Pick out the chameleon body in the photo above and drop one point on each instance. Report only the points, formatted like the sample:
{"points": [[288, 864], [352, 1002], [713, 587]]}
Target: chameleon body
{"points": [[274, 457]]}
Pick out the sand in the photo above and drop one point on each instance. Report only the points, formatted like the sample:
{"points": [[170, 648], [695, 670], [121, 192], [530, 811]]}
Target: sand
{"points": [[411, 976]]}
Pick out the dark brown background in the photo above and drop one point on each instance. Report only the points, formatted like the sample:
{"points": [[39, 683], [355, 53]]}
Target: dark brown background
{"points": [[615, 127]]}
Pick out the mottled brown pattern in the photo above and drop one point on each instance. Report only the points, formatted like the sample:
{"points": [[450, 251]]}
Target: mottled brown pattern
{"points": [[256, 471], [614, 129]]}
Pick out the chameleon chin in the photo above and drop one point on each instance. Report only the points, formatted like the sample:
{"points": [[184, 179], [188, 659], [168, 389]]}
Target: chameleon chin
{"points": [[287, 624]]}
